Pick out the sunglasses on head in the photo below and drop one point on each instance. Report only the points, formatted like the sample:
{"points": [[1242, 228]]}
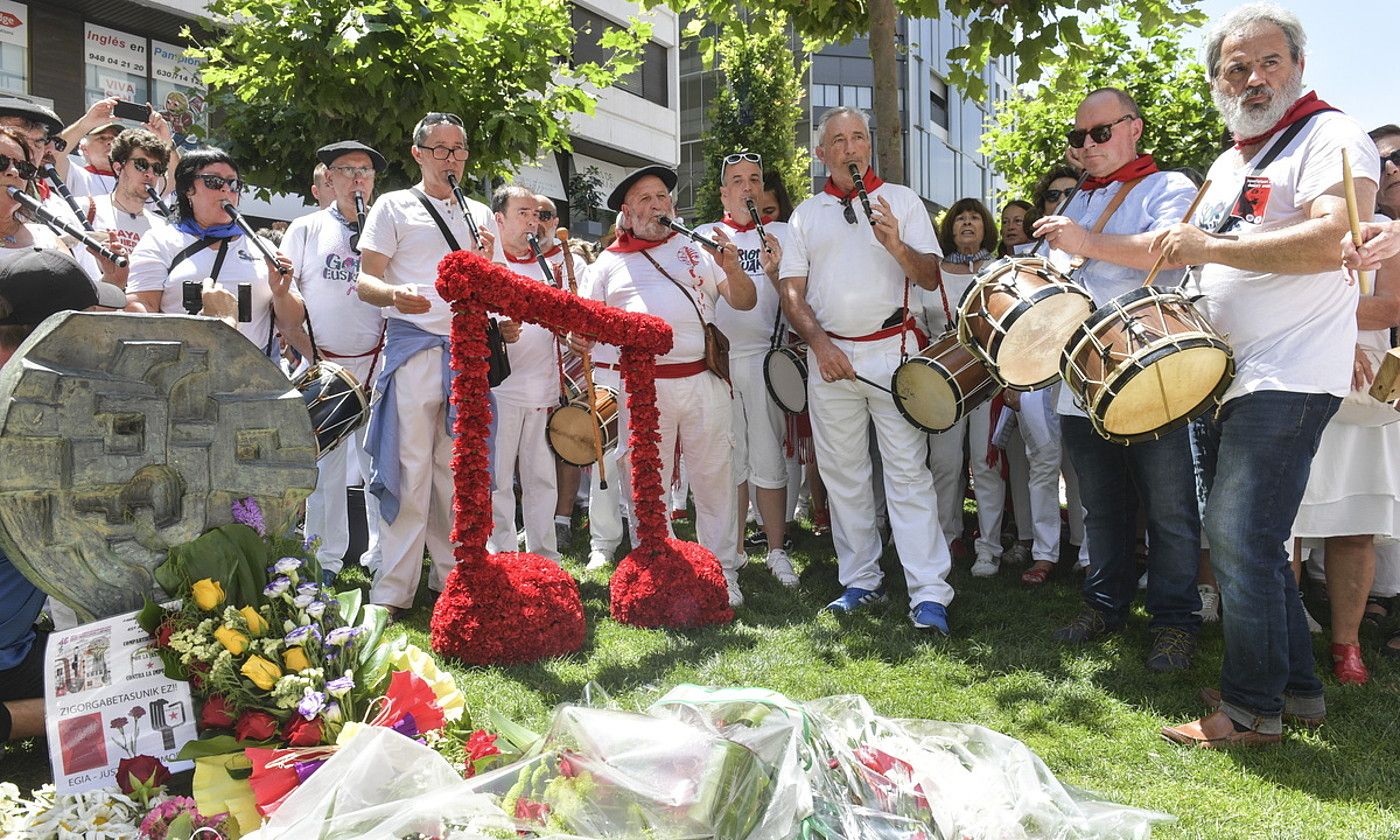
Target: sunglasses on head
{"points": [[25, 169], [730, 160], [437, 117], [848, 212], [143, 166], [1393, 157], [218, 182], [1100, 133]]}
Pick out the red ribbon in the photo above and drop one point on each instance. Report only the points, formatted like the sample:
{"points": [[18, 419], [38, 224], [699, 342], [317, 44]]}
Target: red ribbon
{"points": [[1143, 166], [871, 181], [94, 170], [626, 243], [1307, 105]]}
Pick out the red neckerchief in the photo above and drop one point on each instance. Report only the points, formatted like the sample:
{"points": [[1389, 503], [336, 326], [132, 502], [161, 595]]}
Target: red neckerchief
{"points": [[872, 183], [1141, 167], [529, 257], [1307, 105], [44, 190], [626, 243], [729, 220], [94, 170]]}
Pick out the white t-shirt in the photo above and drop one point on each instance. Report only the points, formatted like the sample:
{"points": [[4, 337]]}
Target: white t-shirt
{"points": [[124, 227], [628, 281], [150, 272], [1290, 332], [853, 283], [400, 228], [750, 331], [1159, 201], [318, 245], [534, 363], [928, 305], [83, 181]]}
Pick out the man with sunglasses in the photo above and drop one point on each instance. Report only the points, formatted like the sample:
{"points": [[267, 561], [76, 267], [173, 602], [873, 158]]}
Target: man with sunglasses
{"points": [[88, 171], [406, 235], [759, 425], [349, 332], [844, 289], [1102, 237], [140, 160], [1264, 246]]}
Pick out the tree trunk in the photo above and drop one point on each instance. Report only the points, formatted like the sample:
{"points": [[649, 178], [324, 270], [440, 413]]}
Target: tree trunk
{"points": [[889, 143]]}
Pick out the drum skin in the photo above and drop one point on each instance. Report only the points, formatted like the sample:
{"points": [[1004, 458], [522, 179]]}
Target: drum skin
{"points": [[941, 385], [1146, 364], [785, 377], [572, 426]]}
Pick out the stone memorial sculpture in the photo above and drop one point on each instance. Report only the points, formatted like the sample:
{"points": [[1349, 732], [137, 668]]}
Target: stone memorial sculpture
{"points": [[123, 435]]}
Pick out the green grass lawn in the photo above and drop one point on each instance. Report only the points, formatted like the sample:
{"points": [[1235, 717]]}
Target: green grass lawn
{"points": [[1092, 712]]}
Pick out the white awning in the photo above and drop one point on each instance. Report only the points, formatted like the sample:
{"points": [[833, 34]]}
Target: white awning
{"points": [[611, 174]]}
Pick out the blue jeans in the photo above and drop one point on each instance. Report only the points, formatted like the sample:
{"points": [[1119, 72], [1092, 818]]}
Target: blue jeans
{"points": [[1112, 479], [1255, 458]]}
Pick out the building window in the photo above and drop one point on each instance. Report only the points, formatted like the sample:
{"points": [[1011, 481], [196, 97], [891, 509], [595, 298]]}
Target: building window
{"points": [[826, 96], [649, 79], [938, 103], [14, 47], [115, 65]]}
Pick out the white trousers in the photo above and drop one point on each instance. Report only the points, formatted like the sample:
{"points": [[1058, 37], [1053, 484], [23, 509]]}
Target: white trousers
{"points": [[696, 411], [1036, 492], [521, 449], [842, 413], [988, 486], [425, 495], [605, 507], [326, 508], [759, 427]]}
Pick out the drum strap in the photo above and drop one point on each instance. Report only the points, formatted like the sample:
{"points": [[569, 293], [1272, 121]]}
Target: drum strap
{"points": [[1114, 203]]}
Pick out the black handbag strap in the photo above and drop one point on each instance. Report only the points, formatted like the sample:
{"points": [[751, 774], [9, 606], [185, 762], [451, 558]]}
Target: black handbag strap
{"points": [[1276, 148], [437, 217], [199, 245]]}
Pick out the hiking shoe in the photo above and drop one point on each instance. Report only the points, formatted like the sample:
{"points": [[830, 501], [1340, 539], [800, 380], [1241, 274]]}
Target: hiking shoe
{"points": [[1210, 603], [855, 598], [930, 615], [986, 566], [781, 567], [1089, 625], [598, 559], [1172, 649], [731, 582]]}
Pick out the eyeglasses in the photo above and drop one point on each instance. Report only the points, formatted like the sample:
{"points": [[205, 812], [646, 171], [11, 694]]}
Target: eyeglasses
{"points": [[1056, 195], [445, 152], [57, 143], [143, 166], [218, 182], [1100, 133], [25, 169], [354, 171], [849, 212], [546, 215], [1393, 157]]}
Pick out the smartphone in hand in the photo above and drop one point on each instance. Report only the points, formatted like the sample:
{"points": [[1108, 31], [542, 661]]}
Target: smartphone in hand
{"points": [[131, 111]]}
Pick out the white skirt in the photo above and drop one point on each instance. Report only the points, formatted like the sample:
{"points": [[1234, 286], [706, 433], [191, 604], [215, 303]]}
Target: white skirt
{"points": [[1354, 486]]}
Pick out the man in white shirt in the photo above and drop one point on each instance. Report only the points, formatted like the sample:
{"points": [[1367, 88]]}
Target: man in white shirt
{"points": [[348, 331], [525, 398], [140, 160], [759, 426], [1115, 260], [846, 291], [1266, 243], [409, 439], [650, 269], [88, 170]]}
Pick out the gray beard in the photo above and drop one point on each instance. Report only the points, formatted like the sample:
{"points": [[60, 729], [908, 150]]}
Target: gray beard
{"points": [[1248, 122]]}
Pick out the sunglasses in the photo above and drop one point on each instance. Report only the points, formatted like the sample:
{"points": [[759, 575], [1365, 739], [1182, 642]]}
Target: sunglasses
{"points": [[848, 212], [1100, 133], [25, 169], [218, 182], [730, 160], [57, 143], [439, 117], [1056, 195], [1393, 157], [445, 152], [546, 215], [143, 166]]}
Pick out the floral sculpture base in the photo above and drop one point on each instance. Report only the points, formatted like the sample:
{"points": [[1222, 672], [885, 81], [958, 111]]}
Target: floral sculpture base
{"points": [[681, 585], [505, 608]]}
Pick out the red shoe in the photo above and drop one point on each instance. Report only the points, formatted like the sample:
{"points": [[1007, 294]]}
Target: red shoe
{"points": [[678, 515], [821, 522], [1347, 666]]}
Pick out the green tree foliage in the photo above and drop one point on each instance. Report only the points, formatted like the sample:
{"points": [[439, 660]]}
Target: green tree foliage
{"points": [[288, 76], [1027, 135], [757, 109]]}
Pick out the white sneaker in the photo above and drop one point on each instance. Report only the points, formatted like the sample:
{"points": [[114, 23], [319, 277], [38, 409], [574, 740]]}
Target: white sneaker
{"points": [[1210, 603], [598, 559], [1142, 581], [731, 581], [1019, 554], [781, 567], [986, 566]]}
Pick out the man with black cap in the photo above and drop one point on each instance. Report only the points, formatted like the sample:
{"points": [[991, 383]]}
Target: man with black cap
{"points": [[653, 270], [40, 127], [349, 332]]}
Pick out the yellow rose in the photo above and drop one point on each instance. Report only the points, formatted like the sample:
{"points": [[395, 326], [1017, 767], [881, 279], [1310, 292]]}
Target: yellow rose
{"points": [[263, 673], [233, 641], [207, 594], [257, 625], [295, 659]]}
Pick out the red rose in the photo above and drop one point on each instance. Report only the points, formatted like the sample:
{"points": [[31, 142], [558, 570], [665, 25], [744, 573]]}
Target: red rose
{"points": [[255, 726], [300, 732], [140, 771], [215, 713], [163, 634]]}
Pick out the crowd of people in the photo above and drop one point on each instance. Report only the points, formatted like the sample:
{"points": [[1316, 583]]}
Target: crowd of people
{"points": [[1214, 518]]}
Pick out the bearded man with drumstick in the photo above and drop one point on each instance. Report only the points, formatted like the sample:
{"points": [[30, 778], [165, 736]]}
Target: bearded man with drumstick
{"points": [[1105, 232], [1270, 277], [851, 253]]}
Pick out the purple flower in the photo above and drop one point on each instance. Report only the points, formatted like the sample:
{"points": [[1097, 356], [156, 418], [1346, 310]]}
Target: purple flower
{"points": [[312, 702], [343, 635], [301, 602], [276, 587], [118, 723], [300, 634], [309, 588], [247, 512], [304, 769], [316, 609], [340, 686]]}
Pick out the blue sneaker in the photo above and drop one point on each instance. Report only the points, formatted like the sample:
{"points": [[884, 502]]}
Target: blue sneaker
{"points": [[930, 615], [855, 598]]}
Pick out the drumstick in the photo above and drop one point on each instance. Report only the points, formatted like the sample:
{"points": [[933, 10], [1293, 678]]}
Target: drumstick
{"points": [[562, 234], [873, 384], [1354, 218], [1190, 211]]}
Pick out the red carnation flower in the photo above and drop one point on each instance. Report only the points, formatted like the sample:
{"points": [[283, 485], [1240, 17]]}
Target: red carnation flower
{"points": [[300, 732], [254, 725]]}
